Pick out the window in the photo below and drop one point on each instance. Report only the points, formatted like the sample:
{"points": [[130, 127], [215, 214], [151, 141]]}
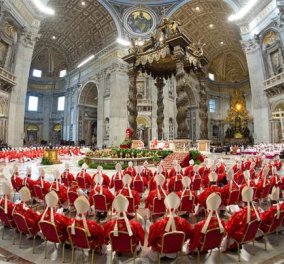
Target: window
{"points": [[60, 103], [37, 73], [211, 76], [33, 103], [62, 73], [212, 105]]}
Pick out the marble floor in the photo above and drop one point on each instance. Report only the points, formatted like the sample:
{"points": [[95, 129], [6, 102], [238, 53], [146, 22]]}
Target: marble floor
{"points": [[10, 253]]}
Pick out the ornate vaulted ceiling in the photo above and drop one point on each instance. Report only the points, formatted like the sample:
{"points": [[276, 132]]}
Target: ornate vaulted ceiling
{"points": [[83, 30], [207, 21], [78, 30]]}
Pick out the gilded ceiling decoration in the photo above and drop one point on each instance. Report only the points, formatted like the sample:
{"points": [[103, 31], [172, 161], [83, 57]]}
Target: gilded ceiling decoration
{"points": [[77, 30], [207, 21]]}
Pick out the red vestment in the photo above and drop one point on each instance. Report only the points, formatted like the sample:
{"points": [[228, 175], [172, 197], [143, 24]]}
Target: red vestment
{"points": [[171, 184], [17, 182], [67, 178], [32, 218], [96, 238], [61, 222], [157, 230], [61, 191], [88, 180], [137, 230], [8, 220], [153, 194], [236, 225], [203, 196], [106, 192], [129, 170], [147, 173], [268, 216], [125, 192], [106, 179], [197, 237]]}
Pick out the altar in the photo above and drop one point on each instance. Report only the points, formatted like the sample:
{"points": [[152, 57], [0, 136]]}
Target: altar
{"points": [[52, 155]]}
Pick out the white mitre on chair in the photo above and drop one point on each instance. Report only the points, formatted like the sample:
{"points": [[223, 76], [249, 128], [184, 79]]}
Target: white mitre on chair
{"points": [[41, 172], [191, 162], [126, 183], [118, 167], [213, 203], [99, 179], [172, 203], [82, 206], [25, 194], [159, 169], [120, 205], [247, 197], [130, 164], [85, 166], [275, 194], [66, 166], [6, 189], [213, 176], [160, 179], [51, 200]]}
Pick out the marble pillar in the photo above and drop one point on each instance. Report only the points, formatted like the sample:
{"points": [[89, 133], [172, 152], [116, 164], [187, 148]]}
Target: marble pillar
{"points": [[18, 94], [132, 99], [160, 103], [182, 100], [260, 108], [118, 101]]}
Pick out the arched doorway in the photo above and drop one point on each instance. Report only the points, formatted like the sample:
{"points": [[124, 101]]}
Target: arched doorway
{"points": [[57, 128], [32, 134], [87, 114], [143, 129], [277, 123]]}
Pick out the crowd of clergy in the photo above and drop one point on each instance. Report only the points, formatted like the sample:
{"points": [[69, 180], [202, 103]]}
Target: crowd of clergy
{"points": [[231, 206]]}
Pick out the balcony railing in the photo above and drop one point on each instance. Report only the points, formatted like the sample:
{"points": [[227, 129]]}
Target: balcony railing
{"points": [[278, 115], [8, 78], [274, 85], [145, 102]]}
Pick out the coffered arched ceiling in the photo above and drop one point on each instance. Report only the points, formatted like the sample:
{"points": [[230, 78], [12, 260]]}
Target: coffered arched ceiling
{"points": [[207, 21], [79, 30]]}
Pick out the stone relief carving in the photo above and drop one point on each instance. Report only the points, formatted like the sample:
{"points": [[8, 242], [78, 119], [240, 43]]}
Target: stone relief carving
{"points": [[273, 54], [250, 45]]}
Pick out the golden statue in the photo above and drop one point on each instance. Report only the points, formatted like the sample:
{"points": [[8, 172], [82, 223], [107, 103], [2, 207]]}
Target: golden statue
{"points": [[238, 116]]}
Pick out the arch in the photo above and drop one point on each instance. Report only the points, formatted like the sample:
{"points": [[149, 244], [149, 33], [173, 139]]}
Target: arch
{"points": [[232, 3], [57, 127], [32, 127], [143, 120], [87, 113], [278, 106], [88, 94]]}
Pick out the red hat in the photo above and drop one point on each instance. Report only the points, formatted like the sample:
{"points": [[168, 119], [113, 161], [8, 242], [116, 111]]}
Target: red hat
{"points": [[129, 131]]}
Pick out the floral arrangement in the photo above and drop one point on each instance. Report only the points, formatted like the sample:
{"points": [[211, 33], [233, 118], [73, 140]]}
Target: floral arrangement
{"points": [[193, 155]]}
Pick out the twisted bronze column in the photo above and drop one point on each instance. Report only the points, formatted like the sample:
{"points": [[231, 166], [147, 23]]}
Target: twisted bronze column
{"points": [[132, 100], [203, 110], [182, 100], [160, 102]]}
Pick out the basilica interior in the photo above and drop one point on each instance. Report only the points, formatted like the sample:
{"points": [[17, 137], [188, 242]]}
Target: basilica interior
{"points": [[182, 74]]}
